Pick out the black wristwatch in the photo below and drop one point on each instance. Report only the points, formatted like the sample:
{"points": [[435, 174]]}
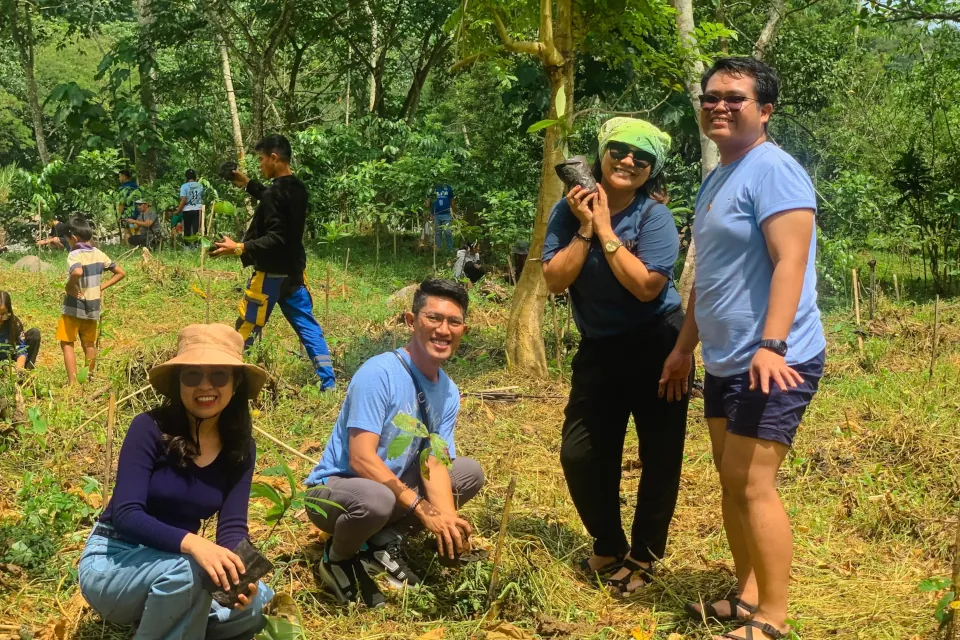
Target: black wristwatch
{"points": [[779, 347]]}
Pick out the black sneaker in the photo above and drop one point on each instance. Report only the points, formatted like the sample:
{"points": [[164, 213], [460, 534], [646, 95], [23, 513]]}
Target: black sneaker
{"points": [[389, 560], [348, 580]]}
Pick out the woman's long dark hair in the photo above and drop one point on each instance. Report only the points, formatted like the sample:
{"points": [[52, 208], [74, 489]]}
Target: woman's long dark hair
{"points": [[235, 426], [655, 187], [12, 325]]}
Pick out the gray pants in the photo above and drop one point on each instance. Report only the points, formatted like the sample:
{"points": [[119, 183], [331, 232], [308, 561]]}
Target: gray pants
{"points": [[367, 507]]}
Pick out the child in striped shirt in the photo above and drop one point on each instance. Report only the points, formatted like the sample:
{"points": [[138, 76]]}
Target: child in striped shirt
{"points": [[81, 304]]}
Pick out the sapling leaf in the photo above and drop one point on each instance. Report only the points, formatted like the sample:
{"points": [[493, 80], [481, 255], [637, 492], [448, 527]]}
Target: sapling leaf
{"points": [[424, 467], [561, 101], [313, 504], [262, 490], [440, 449], [934, 584], [408, 424], [398, 445], [543, 124]]}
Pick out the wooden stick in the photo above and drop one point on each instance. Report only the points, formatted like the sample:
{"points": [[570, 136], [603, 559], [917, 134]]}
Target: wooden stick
{"points": [[513, 278], [873, 287], [434, 245], [494, 572], [955, 618], [326, 311], [376, 264], [346, 268], [206, 317], [394, 334], [108, 463], [394, 245], [936, 331], [285, 446], [896, 287], [856, 307], [119, 402], [556, 334]]}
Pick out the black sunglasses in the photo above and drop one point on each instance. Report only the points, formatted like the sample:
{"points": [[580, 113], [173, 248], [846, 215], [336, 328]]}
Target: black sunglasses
{"points": [[194, 377], [619, 151], [734, 103]]}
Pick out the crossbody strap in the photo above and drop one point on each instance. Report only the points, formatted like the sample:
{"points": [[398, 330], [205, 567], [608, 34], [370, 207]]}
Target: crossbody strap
{"points": [[421, 396]]}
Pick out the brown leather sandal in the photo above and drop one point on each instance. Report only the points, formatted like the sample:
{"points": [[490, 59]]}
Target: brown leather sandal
{"points": [[750, 625]]}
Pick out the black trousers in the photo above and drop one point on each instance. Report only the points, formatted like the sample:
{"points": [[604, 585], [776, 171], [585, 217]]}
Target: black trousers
{"points": [[191, 223], [613, 378], [32, 338]]}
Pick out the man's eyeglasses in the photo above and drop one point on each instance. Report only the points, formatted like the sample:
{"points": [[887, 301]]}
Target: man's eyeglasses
{"points": [[619, 151], [734, 103], [436, 319], [194, 377]]}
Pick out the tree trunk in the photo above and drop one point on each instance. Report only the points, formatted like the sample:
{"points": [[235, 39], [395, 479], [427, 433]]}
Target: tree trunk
{"points": [[374, 57], [424, 65], [147, 168], [525, 347], [23, 36], [258, 103], [292, 108], [232, 102]]}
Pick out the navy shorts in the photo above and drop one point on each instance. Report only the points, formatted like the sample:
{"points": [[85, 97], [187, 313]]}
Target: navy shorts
{"points": [[754, 414]]}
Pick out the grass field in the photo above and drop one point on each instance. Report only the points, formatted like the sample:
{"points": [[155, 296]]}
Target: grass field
{"points": [[872, 486]]}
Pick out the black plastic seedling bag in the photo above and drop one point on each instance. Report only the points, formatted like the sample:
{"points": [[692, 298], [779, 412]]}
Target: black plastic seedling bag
{"points": [[256, 567], [576, 171], [226, 170]]}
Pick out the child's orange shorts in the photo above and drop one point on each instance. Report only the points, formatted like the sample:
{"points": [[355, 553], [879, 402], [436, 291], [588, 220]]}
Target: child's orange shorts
{"points": [[69, 327]]}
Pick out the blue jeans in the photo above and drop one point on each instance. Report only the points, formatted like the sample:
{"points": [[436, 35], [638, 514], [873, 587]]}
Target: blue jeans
{"points": [[129, 583], [442, 227]]}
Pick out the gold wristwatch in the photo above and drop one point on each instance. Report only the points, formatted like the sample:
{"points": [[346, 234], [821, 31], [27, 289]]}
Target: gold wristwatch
{"points": [[611, 246], [238, 250]]}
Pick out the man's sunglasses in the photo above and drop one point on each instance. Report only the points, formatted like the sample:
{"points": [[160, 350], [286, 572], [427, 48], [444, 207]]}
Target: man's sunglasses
{"points": [[734, 103], [619, 151], [194, 377]]}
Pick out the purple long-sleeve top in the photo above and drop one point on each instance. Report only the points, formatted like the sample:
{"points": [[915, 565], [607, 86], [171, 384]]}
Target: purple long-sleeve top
{"points": [[157, 504]]}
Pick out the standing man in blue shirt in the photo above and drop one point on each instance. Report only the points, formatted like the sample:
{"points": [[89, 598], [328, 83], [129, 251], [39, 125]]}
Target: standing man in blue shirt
{"points": [[754, 310], [191, 203], [381, 494], [442, 207]]}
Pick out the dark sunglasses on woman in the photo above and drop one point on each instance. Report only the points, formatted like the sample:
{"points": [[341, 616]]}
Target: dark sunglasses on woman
{"points": [[619, 151], [194, 377]]}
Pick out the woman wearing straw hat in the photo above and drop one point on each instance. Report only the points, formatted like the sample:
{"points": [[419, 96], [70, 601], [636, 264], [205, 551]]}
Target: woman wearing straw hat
{"points": [[180, 464], [615, 248]]}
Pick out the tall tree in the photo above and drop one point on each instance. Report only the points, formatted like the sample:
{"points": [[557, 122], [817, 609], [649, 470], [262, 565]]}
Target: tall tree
{"points": [[20, 21], [147, 66], [709, 155]]}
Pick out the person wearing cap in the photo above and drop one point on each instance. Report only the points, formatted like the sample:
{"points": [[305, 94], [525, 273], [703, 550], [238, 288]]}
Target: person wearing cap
{"points": [[182, 463], [191, 203], [146, 223], [615, 249]]}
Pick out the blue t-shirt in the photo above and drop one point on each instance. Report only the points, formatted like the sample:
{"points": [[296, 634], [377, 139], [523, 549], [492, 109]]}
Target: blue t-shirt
{"points": [[379, 391], [193, 192], [734, 269], [443, 197], [602, 307]]}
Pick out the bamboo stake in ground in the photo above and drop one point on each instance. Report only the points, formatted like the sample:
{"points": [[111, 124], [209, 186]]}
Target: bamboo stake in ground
{"points": [[394, 334], [495, 571], [206, 296], [955, 618], [936, 331], [376, 264], [513, 279], [108, 463], [346, 269], [285, 446], [856, 308], [394, 245], [896, 287], [326, 295], [119, 402], [434, 245], [873, 287]]}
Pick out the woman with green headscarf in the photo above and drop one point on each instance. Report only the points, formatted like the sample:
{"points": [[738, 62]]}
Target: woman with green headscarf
{"points": [[615, 248]]}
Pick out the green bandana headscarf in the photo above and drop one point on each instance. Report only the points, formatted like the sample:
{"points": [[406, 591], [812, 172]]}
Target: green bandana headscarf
{"points": [[638, 133]]}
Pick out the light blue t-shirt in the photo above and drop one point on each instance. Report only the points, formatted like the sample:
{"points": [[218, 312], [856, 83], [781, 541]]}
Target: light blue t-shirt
{"points": [[193, 192], [379, 391], [734, 269], [443, 197]]}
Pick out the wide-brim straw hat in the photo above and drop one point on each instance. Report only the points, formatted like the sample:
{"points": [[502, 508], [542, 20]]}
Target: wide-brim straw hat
{"points": [[212, 345]]}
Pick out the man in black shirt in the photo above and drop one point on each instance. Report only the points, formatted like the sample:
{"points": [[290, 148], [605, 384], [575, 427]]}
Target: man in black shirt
{"points": [[273, 246]]}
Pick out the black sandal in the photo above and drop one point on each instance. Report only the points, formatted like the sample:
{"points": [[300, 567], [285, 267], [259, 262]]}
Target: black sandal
{"points": [[711, 611], [612, 567], [621, 585], [750, 625]]}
